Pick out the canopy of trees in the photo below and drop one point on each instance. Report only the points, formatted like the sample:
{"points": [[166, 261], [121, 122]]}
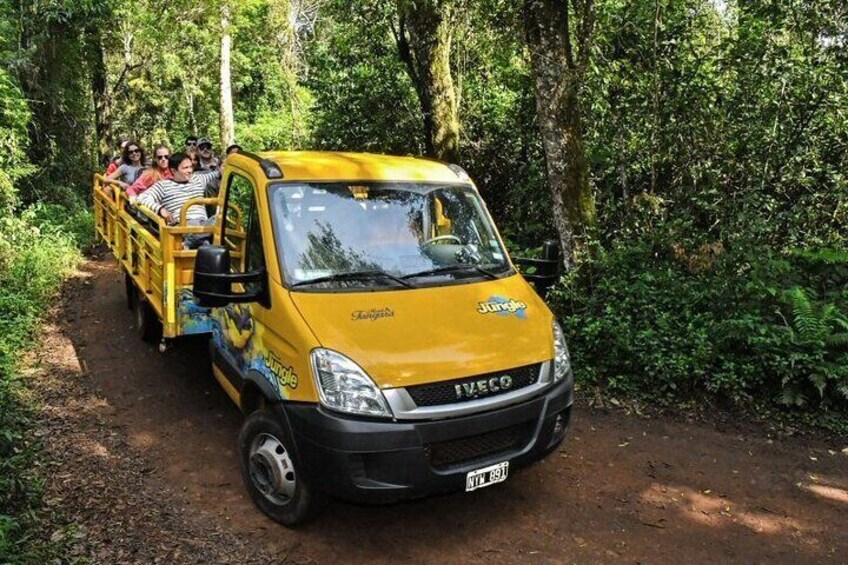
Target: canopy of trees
{"points": [[698, 148]]}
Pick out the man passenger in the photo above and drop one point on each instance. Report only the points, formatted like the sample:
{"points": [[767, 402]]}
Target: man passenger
{"points": [[208, 161], [167, 197]]}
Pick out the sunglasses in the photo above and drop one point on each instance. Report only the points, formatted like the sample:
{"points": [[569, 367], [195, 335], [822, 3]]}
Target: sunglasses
{"points": [[191, 143], [205, 147], [160, 157], [134, 151]]}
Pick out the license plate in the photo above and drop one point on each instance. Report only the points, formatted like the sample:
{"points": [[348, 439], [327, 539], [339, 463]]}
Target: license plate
{"points": [[486, 476]]}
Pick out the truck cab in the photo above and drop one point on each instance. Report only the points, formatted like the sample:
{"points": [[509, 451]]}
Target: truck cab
{"points": [[368, 320]]}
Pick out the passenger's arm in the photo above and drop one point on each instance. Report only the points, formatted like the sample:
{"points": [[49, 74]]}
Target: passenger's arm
{"points": [[113, 178], [209, 178], [144, 182], [152, 198]]}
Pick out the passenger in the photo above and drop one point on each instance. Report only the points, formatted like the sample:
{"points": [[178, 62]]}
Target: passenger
{"points": [[167, 197], [131, 167], [191, 152], [208, 161], [116, 161], [190, 142], [234, 148], [159, 171]]}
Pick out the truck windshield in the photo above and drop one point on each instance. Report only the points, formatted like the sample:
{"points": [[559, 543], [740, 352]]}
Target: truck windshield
{"points": [[345, 235]]}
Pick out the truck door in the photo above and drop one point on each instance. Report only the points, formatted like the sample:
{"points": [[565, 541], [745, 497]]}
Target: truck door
{"points": [[235, 324]]}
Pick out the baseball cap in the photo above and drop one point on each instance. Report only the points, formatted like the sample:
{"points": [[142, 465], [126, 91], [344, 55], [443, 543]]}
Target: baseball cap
{"points": [[204, 141]]}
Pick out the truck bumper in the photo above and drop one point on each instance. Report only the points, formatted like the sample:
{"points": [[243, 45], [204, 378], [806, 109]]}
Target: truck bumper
{"points": [[379, 461]]}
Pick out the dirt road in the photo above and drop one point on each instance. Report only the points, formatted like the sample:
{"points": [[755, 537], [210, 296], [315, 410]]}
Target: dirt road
{"points": [[621, 489]]}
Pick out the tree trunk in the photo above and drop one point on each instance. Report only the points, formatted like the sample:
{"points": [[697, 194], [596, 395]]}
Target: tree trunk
{"points": [[559, 53], [226, 106], [426, 51], [101, 96]]}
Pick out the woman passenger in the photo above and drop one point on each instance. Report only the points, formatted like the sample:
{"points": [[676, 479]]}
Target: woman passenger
{"points": [[115, 162], [193, 154], [131, 167], [154, 174]]}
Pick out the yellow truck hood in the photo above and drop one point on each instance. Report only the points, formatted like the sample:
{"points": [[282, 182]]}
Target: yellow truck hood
{"points": [[417, 336]]}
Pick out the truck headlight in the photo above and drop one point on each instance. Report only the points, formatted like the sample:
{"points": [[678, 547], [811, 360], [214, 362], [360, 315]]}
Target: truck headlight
{"points": [[562, 360], [344, 386]]}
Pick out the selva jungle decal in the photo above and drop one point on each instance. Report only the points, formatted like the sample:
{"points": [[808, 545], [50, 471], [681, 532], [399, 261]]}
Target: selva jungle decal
{"points": [[241, 342], [503, 307], [373, 314]]}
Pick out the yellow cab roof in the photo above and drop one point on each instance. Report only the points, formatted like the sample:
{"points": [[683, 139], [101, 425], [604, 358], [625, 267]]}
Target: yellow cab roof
{"points": [[342, 166]]}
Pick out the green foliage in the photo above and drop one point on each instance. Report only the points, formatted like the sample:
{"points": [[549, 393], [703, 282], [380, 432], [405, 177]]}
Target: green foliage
{"points": [[13, 123], [36, 254], [165, 68], [47, 53], [364, 98], [646, 321]]}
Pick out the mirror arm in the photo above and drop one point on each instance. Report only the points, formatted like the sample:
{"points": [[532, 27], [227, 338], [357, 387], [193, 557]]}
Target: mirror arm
{"points": [[251, 277], [254, 296]]}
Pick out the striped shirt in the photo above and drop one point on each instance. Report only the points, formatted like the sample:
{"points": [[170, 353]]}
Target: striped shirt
{"points": [[171, 195]]}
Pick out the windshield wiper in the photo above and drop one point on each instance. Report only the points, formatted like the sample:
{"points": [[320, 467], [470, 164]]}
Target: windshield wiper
{"points": [[451, 269], [355, 275]]}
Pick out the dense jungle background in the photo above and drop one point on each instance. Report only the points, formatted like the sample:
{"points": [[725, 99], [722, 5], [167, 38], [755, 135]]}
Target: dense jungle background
{"points": [[690, 156]]}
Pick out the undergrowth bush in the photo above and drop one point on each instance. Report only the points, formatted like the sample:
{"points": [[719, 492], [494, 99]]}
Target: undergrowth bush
{"points": [[37, 250], [648, 321]]}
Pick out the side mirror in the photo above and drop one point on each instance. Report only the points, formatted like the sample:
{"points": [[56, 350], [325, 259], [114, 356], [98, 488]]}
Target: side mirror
{"points": [[213, 280], [546, 268], [550, 250]]}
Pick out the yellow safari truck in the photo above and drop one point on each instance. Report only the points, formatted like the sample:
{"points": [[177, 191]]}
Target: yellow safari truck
{"points": [[365, 317]]}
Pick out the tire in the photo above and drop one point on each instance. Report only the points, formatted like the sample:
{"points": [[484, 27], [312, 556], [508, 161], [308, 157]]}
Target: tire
{"points": [[271, 470], [132, 292], [147, 324]]}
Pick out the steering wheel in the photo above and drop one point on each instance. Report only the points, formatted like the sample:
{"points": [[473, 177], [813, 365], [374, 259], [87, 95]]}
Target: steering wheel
{"points": [[438, 238]]}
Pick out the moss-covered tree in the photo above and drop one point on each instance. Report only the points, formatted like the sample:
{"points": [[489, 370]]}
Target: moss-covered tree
{"points": [[424, 36], [559, 35]]}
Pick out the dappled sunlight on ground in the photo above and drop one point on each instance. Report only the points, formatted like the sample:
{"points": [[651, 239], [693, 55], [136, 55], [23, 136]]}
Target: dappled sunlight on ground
{"points": [[708, 509], [832, 489], [94, 448], [142, 440]]}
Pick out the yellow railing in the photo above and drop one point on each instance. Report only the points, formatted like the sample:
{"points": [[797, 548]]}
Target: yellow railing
{"points": [[152, 254]]}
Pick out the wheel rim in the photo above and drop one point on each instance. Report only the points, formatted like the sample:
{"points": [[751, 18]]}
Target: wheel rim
{"points": [[271, 469]]}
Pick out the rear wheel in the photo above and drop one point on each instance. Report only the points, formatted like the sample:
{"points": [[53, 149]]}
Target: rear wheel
{"points": [[271, 471], [147, 324], [131, 291]]}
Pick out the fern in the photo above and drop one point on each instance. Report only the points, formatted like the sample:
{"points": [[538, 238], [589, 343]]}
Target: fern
{"points": [[839, 340], [819, 333]]}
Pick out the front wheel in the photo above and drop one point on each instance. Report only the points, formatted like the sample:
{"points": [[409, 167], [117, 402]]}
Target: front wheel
{"points": [[271, 472]]}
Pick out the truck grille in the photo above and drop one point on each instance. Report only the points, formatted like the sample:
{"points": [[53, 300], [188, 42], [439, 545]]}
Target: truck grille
{"points": [[444, 392], [468, 449]]}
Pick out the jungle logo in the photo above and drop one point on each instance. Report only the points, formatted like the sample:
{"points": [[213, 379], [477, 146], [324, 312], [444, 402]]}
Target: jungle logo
{"points": [[285, 375], [503, 307]]}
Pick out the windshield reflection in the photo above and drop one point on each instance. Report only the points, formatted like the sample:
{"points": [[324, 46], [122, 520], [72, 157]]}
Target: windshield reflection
{"points": [[402, 230]]}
